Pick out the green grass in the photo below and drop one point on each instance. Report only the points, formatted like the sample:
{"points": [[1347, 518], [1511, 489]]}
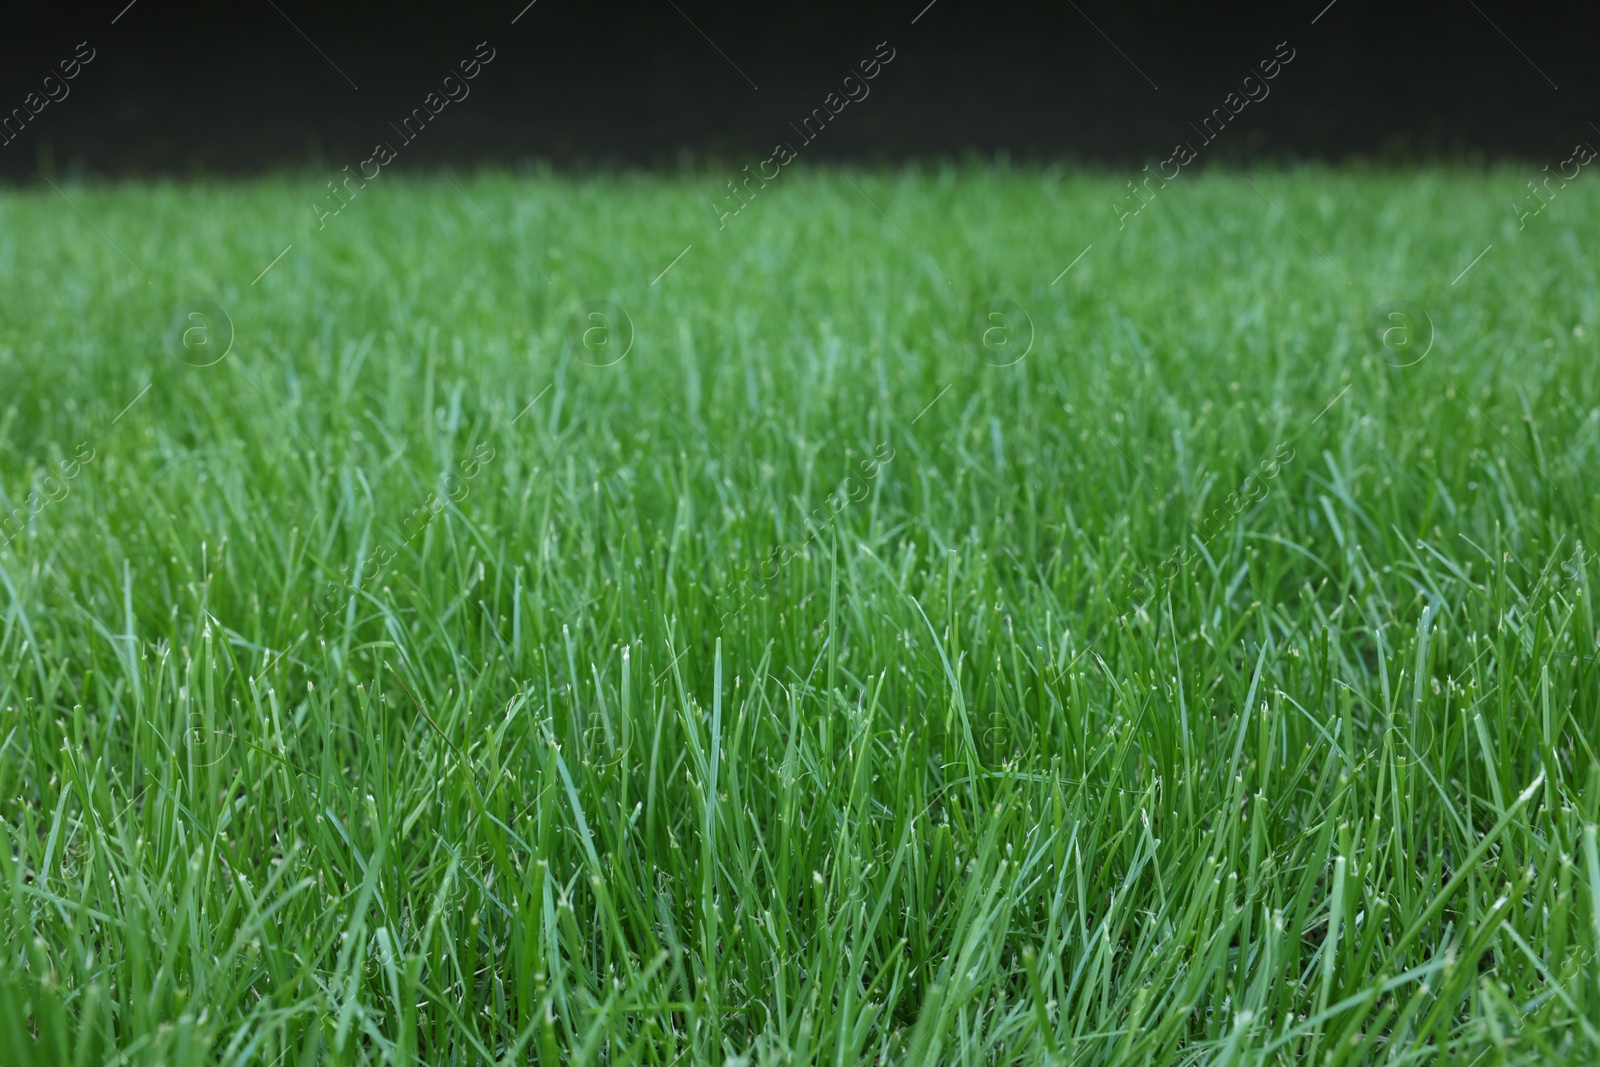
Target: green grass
{"points": [[1034, 749]]}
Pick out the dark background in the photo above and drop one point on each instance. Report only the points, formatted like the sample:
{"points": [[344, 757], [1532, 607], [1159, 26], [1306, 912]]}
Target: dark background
{"points": [[188, 89]]}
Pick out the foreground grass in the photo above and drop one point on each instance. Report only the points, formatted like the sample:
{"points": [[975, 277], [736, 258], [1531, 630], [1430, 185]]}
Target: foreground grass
{"points": [[803, 686]]}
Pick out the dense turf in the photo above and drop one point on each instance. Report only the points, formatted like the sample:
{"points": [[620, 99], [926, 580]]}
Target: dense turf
{"points": [[804, 685]]}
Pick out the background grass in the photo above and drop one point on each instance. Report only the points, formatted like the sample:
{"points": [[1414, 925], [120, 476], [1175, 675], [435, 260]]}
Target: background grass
{"points": [[632, 747]]}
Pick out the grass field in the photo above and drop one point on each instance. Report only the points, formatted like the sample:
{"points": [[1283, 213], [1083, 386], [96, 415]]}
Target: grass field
{"points": [[817, 660]]}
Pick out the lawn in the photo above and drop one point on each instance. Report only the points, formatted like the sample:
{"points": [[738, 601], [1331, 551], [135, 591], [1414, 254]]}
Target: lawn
{"points": [[941, 616]]}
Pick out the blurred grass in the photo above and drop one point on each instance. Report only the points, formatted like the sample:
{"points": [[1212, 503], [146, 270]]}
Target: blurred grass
{"points": [[311, 753]]}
